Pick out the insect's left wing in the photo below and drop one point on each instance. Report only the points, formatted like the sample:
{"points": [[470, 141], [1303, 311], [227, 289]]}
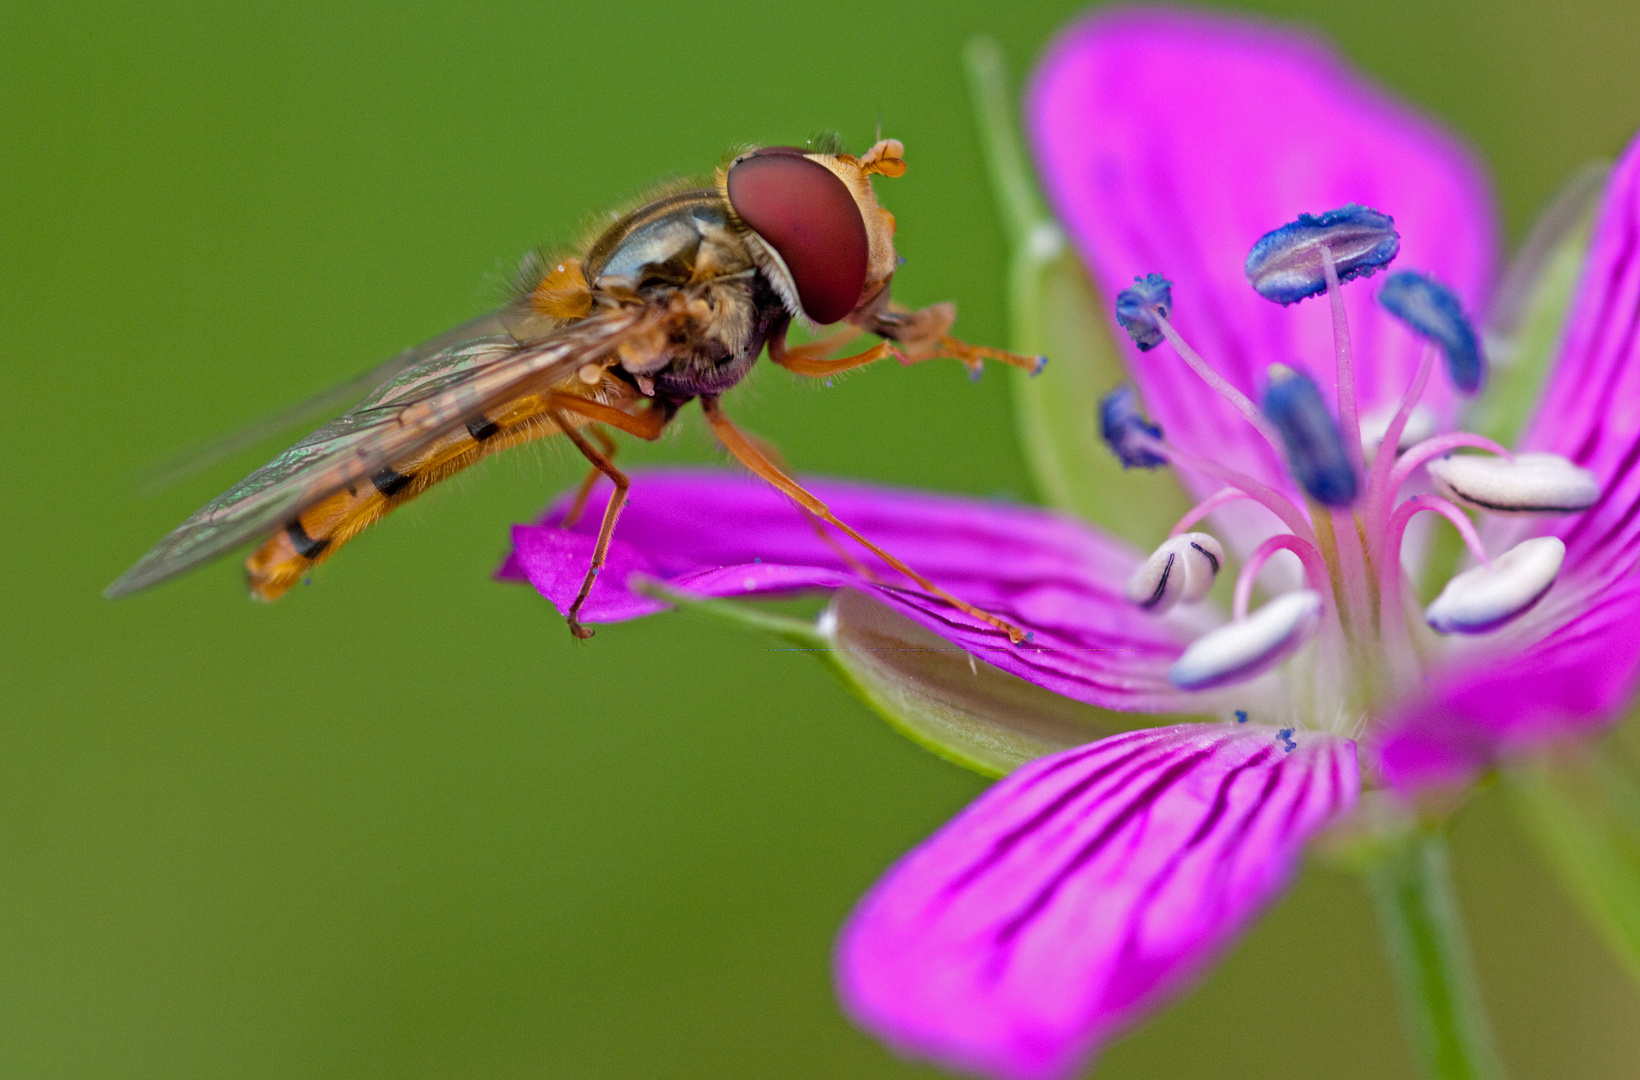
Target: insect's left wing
{"points": [[201, 456], [415, 407]]}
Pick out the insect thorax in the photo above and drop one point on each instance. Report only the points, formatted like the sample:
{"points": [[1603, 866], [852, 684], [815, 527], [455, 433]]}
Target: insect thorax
{"points": [[681, 253]]}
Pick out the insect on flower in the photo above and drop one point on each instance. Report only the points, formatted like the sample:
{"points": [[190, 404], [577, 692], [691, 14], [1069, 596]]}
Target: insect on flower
{"points": [[671, 303]]}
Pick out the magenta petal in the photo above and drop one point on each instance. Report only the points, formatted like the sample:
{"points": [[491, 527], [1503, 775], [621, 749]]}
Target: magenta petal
{"points": [[1169, 142], [1591, 410], [1569, 683], [1084, 890], [717, 534]]}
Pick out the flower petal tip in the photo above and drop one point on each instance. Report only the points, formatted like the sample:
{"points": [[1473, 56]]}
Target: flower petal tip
{"points": [[1084, 890]]}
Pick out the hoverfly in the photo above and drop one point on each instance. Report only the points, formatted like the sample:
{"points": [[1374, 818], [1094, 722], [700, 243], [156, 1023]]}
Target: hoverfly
{"points": [[673, 302]]}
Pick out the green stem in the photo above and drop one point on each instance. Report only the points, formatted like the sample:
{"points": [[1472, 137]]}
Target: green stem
{"points": [[1440, 1003], [1022, 208]]}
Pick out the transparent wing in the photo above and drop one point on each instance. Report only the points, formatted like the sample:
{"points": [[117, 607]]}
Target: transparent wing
{"points": [[203, 455], [413, 408]]}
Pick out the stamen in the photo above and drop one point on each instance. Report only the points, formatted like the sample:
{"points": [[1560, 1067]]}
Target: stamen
{"points": [[1314, 567], [1200, 511], [1378, 498], [1277, 503], [1530, 484], [1124, 426], [1396, 529], [1487, 597], [1247, 647], [1434, 448], [1434, 311], [1238, 400], [1349, 419], [1181, 570], [1286, 265], [1139, 305], [1315, 449], [1418, 426]]}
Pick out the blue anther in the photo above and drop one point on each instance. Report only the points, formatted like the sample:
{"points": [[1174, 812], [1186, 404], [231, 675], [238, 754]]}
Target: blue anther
{"points": [[1138, 306], [1434, 311], [1285, 265], [1241, 716], [1286, 737], [1041, 362], [1315, 449], [1122, 425]]}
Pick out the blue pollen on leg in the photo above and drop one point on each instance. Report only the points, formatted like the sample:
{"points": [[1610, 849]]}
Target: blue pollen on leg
{"points": [[1285, 265], [1138, 305], [1122, 424], [1286, 737], [1433, 311], [1315, 448], [1241, 716]]}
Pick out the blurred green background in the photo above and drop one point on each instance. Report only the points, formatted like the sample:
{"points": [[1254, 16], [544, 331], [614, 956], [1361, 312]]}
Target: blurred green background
{"points": [[399, 824]]}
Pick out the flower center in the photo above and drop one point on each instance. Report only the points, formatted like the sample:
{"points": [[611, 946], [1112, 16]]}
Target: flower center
{"points": [[1347, 622]]}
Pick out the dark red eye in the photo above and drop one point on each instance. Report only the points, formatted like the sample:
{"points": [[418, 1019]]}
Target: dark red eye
{"points": [[803, 211]]}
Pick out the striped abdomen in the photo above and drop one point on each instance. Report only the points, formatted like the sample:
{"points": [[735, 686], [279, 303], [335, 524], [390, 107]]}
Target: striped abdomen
{"points": [[314, 535]]}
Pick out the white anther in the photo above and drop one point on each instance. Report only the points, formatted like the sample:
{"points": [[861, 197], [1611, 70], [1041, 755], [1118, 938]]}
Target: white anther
{"points": [[1420, 425], [1181, 570], [1486, 597], [1249, 646], [1531, 484]]}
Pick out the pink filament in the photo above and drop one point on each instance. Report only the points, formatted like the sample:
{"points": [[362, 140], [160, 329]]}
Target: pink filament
{"points": [[1314, 567], [1348, 417], [1278, 504], [1389, 575], [1238, 400], [1377, 500], [1207, 506], [1435, 447]]}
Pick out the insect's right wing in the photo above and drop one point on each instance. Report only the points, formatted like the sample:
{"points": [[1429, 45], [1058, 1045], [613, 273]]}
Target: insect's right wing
{"points": [[414, 408], [487, 327]]}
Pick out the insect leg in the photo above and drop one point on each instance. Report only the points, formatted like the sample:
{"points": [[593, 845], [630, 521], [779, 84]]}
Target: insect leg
{"points": [[811, 359], [747, 453], [646, 425], [584, 492], [924, 336]]}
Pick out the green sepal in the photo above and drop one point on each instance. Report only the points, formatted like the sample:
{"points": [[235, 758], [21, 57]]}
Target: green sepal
{"points": [[936, 694], [1528, 314], [1582, 807], [1522, 335], [1054, 311]]}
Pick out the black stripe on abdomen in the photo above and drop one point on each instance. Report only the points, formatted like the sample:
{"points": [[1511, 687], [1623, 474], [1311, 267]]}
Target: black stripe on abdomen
{"points": [[306, 546], [480, 428], [390, 481]]}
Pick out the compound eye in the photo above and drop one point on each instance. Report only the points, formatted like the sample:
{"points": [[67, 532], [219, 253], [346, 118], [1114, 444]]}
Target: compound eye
{"points": [[802, 210]]}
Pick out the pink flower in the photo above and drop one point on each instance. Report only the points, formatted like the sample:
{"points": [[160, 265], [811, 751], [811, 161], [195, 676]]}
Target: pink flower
{"points": [[1090, 885]]}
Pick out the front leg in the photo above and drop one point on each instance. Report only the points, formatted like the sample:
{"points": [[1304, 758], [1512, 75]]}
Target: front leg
{"points": [[810, 359], [924, 335]]}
